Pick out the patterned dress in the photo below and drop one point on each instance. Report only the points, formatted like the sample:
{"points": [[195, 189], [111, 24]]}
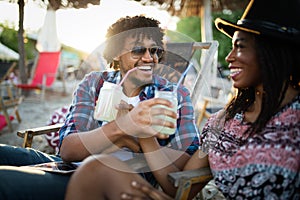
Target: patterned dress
{"points": [[263, 166]]}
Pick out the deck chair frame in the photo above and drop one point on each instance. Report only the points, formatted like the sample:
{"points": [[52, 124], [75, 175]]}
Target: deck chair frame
{"points": [[7, 71], [12, 99]]}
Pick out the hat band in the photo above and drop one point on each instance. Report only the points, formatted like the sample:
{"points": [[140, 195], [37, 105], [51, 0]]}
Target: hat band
{"points": [[263, 25]]}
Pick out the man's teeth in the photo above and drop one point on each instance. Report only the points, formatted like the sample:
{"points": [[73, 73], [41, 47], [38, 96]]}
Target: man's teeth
{"points": [[145, 68]]}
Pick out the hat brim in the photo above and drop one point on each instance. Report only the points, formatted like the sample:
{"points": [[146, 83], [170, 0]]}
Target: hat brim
{"points": [[229, 28]]}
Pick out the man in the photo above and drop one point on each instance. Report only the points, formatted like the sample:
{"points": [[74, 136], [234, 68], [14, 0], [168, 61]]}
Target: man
{"points": [[133, 42]]}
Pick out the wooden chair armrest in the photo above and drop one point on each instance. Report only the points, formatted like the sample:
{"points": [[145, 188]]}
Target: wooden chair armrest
{"points": [[28, 134], [185, 179]]}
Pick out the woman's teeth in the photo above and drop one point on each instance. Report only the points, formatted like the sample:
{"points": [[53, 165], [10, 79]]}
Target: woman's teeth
{"points": [[235, 71]]}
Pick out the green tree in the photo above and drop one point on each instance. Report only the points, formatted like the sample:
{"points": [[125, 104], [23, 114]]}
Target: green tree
{"points": [[191, 27], [9, 38]]}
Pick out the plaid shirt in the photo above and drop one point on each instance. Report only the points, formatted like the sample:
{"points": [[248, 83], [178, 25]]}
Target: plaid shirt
{"points": [[80, 117]]}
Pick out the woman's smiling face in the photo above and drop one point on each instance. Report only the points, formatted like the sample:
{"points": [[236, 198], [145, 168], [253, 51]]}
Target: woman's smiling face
{"points": [[243, 64]]}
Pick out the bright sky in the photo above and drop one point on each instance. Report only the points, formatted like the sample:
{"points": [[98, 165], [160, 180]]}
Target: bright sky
{"points": [[83, 28]]}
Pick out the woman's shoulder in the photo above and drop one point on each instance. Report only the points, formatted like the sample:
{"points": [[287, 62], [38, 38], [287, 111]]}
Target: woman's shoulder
{"points": [[289, 115]]}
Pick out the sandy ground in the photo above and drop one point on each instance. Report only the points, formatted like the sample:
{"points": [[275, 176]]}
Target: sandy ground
{"points": [[35, 114]]}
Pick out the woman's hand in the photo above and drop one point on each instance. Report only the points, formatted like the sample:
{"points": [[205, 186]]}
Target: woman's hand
{"points": [[139, 121], [150, 193]]}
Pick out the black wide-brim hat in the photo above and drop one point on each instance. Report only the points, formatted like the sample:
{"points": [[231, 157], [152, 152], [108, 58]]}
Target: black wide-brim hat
{"points": [[275, 18]]}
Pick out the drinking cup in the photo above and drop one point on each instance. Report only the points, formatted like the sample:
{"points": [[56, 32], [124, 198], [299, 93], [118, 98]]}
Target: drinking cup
{"points": [[171, 96], [110, 96]]}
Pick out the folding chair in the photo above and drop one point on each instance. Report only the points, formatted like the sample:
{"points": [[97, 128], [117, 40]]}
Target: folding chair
{"points": [[5, 69], [45, 72], [200, 83], [10, 98], [206, 82]]}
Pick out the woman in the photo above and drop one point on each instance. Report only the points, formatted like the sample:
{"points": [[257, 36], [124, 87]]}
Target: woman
{"points": [[253, 145]]}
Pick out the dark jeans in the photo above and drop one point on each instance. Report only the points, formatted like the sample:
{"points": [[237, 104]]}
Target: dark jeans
{"points": [[19, 183]]}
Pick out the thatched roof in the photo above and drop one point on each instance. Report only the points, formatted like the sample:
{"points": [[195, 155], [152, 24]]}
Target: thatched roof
{"points": [[186, 8], [181, 8]]}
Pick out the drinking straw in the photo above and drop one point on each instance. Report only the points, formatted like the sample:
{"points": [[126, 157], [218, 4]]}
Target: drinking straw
{"points": [[182, 76], [127, 73]]}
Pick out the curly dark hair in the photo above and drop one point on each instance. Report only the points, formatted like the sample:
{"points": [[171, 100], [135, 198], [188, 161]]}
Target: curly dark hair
{"points": [[136, 26], [279, 62]]}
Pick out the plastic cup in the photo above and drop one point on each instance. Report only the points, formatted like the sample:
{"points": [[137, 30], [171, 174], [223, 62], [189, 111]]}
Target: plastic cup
{"points": [[110, 96], [171, 96]]}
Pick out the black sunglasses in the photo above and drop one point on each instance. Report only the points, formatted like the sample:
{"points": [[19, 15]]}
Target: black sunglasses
{"points": [[139, 51]]}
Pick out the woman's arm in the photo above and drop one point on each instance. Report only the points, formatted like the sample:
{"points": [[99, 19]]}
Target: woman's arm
{"points": [[149, 191], [78, 146]]}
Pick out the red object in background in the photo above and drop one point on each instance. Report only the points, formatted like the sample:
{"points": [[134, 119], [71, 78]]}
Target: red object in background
{"points": [[3, 122], [45, 71]]}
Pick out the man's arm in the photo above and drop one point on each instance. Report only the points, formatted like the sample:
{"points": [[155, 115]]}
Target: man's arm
{"points": [[77, 146]]}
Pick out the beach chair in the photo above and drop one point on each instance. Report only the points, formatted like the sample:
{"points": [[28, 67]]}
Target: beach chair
{"points": [[175, 60], [9, 98], [45, 72], [203, 80], [5, 69], [209, 92]]}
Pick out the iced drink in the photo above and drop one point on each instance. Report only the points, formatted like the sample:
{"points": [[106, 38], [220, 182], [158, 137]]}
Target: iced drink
{"points": [[169, 95], [110, 96]]}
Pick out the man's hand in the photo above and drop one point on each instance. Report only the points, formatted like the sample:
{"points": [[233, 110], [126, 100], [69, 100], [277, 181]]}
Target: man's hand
{"points": [[123, 108], [139, 121]]}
